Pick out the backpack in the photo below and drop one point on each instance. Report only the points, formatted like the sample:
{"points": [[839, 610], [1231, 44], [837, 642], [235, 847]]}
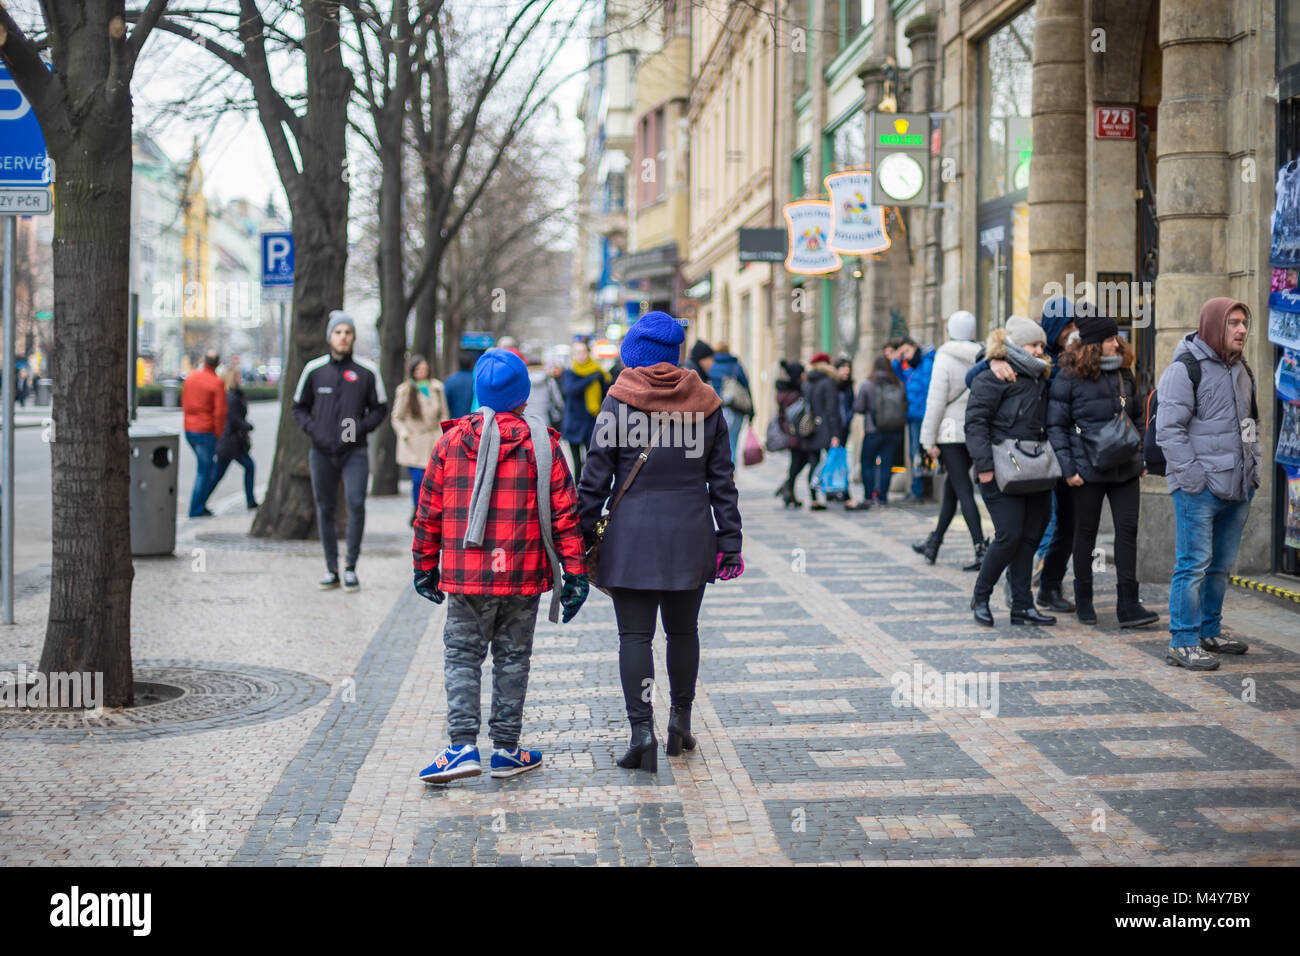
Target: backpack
{"points": [[736, 396], [1152, 455], [797, 419], [889, 410]]}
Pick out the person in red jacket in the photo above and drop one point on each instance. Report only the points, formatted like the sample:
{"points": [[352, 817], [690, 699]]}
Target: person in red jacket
{"points": [[203, 400], [498, 505]]}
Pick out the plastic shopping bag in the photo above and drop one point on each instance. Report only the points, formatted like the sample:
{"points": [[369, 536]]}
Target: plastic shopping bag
{"points": [[753, 453]]}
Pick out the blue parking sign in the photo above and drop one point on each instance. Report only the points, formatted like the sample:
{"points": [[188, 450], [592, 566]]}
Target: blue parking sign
{"points": [[277, 258], [23, 160]]}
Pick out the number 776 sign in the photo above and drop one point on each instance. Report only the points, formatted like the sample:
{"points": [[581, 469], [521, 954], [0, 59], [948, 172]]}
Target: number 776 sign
{"points": [[1114, 122]]}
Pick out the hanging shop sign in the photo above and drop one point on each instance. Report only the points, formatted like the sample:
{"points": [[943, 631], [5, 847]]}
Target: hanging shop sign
{"points": [[900, 157], [857, 227], [809, 223], [761, 245]]}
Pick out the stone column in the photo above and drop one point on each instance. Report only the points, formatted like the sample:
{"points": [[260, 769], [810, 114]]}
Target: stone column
{"points": [[1058, 205], [926, 223], [1192, 208]]}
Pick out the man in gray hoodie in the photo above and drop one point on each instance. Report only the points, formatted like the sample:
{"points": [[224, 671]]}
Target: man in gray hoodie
{"points": [[1209, 435]]}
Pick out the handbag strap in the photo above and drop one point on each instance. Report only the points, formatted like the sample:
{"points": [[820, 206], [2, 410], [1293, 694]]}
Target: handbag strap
{"points": [[636, 468]]}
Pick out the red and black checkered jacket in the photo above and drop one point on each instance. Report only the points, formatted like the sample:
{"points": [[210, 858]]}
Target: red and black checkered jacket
{"points": [[512, 558]]}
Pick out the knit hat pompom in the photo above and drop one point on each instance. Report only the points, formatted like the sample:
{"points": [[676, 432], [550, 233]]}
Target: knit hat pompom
{"points": [[1024, 332], [655, 337]]}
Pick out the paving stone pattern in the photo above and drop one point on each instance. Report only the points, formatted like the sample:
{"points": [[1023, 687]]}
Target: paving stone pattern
{"points": [[827, 734]]}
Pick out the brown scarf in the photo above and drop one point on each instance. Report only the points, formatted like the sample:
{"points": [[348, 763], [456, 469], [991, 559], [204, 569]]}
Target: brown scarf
{"points": [[665, 388], [1213, 330]]}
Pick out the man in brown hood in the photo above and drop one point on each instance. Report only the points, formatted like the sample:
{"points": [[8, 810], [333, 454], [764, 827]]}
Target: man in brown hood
{"points": [[1213, 470]]}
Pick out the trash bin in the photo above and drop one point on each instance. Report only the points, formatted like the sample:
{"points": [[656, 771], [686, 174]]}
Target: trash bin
{"points": [[154, 470], [44, 391], [171, 393]]}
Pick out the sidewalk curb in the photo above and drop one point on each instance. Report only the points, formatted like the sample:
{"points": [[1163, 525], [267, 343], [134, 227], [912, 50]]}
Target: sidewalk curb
{"points": [[1285, 595]]}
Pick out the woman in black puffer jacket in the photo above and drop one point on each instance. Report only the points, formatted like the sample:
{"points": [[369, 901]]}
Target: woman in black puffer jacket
{"points": [[1095, 385], [821, 389], [997, 410]]}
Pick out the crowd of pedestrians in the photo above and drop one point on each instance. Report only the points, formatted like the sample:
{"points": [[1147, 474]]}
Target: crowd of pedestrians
{"points": [[1046, 418]]}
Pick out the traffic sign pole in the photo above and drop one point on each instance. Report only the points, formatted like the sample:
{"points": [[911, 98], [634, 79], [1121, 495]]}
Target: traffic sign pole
{"points": [[7, 439]]}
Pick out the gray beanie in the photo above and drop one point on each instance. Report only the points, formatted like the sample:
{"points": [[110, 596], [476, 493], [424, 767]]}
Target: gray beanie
{"points": [[1023, 332], [339, 317]]}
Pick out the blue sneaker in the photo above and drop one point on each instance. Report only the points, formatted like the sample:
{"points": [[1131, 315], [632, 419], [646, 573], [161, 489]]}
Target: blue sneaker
{"points": [[452, 764], [507, 763]]}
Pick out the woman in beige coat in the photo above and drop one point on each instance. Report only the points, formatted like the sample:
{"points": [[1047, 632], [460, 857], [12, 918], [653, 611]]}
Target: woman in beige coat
{"points": [[419, 408]]}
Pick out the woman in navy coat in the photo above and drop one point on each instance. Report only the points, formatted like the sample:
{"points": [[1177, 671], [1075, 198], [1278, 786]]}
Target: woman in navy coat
{"points": [[676, 529]]}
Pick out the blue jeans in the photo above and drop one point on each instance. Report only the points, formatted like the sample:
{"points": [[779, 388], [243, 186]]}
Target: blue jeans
{"points": [[735, 426], [875, 478], [417, 479], [913, 450], [1208, 533], [247, 464], [1048, 532], [205, 450]]}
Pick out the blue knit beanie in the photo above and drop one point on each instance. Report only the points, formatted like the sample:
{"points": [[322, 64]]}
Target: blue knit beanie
{"points": [[655, 337], [501, 380]]}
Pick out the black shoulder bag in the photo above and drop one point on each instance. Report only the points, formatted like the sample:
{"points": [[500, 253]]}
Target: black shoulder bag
{"points": [[1115, 443]]}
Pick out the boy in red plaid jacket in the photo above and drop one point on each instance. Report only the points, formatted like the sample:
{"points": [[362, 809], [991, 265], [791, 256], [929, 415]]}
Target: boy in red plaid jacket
{"points": [[499, 505]]}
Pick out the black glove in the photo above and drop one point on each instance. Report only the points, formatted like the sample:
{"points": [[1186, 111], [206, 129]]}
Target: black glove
{"points": [[426, 584], [573, 595]]}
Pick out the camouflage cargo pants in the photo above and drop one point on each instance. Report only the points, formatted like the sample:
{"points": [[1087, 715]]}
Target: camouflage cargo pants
{"points": [[476, 622]]}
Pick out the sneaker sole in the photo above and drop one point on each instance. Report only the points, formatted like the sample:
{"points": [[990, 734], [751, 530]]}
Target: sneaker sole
{"points": [[352, 590], [465, 770], [1234, 651], [1175, 662], [514, 771], [327, 587]]}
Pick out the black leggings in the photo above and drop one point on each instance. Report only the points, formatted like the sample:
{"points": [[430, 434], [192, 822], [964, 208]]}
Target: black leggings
{"points": [[1088, 498], [1018, 522], [958, 488], [1058, 552], [798, 459], [579, 450], [635, 611]]}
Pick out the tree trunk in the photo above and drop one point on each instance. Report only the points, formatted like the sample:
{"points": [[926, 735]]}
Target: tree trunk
{"points": [[89, 623], [288, 510], [392, 296]]}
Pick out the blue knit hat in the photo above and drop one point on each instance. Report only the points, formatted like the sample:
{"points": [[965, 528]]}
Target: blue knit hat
{"points": [[501, 380], [655, 337]]}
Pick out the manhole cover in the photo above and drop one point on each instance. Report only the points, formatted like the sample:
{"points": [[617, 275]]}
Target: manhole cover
{"points": [[375, 543], [177, 697]]}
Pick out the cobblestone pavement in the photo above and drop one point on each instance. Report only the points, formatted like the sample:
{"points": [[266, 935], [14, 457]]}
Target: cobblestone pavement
{"points": [[308, 714]]}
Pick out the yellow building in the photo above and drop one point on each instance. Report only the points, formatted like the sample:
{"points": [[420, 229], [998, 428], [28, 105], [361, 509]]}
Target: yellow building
{"points": [[733, 150], [657, 185], [195, 323]]}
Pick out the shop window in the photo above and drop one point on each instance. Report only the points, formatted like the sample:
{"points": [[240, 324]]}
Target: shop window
{"points": [[1006, 104], [846, 144]]}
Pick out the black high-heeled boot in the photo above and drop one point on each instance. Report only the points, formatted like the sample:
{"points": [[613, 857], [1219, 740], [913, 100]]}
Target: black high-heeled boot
{"points": [[929, 548], [786, 493], [981, 549], [679, 730], [643, 751]]}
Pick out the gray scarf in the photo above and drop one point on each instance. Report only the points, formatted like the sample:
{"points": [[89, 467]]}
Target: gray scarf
{"points": [[485, 473], [1110, 363], [480, 502], [1024, 363]]}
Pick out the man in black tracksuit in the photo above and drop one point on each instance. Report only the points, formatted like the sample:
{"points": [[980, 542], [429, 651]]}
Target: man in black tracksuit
{"points": [[340, 400]]}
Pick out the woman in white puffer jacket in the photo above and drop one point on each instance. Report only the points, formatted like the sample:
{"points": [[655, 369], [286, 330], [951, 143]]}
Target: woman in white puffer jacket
{"points": [[943, 433]]}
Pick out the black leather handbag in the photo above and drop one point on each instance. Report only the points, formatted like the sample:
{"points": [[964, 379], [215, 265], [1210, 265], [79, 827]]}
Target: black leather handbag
{"points": [[1115, 443]]}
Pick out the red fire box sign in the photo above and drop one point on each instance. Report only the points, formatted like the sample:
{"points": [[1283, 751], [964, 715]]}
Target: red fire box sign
{"points": [[1114, 122]]}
